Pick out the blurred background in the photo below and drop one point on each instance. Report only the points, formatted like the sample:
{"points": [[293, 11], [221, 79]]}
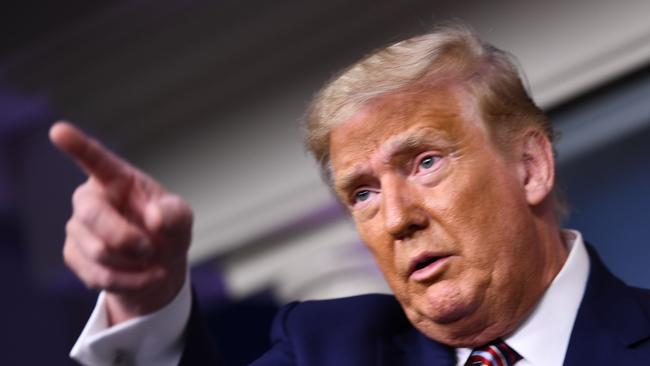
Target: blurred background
{"points": [[206, 96]]}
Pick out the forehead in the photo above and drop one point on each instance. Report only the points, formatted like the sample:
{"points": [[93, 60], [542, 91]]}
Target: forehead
{"points": [[435, 116]]}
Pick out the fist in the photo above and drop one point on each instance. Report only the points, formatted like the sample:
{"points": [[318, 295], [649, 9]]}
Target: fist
{"points": [[127, 234]]}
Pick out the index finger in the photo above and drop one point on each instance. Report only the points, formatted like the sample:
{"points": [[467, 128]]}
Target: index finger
{"points": [[95, 159]]}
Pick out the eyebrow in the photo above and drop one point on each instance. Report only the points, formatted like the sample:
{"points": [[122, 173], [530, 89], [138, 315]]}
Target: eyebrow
{"points": [[348, 179], [415, 139], [406, 141]]}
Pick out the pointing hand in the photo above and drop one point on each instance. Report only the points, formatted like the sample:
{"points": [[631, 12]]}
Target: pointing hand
{"points": [[127, 234]]}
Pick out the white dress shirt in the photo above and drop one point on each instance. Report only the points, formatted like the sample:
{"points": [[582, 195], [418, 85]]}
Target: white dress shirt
{"points": [[156, 339], [542, 339], [153, 339]]}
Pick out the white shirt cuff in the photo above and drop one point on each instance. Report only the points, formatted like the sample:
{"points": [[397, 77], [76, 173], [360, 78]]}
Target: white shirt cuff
{"points": [[153, 339]]}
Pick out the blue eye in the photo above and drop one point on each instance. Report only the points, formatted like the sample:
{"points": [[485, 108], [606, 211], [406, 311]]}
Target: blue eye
{"points": [[362, 195], [427, 162]]}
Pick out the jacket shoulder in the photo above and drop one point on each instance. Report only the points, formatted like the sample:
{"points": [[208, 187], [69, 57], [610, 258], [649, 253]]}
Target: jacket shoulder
{"points": [[643, 297], [356, 315], [342, 331], [374, 313]]}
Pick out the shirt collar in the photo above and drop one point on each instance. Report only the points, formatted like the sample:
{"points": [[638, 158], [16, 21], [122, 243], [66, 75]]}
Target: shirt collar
{"points": [[551, 322]]}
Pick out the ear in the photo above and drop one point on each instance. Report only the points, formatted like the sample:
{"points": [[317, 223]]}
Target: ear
{"points": [[536, 167]]}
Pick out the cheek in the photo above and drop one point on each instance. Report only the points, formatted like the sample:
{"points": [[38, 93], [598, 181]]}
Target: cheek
{"points": [[381, 247], [474, 202], [484, 216]]}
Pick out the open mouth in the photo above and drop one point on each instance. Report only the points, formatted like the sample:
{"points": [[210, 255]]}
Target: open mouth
{"points": [[425, 265], [425, 262]]}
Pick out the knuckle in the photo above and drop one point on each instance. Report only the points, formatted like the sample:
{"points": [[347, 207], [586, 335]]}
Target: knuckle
{"points": [[72, 261], [186, 212], [92, 283], [97, 251], [105, 279], [176, 216], [173, 200], [80, 193], [68, 256], [88, 213], [128, 244], [77, 195], [122, 237], [182, 207], [69, 227], [99, 278]]}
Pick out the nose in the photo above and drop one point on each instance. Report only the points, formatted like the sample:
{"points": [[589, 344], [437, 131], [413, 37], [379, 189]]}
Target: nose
{"points": [[402, 210]]}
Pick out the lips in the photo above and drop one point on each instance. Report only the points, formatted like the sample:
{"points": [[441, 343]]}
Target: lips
{"points": [[426, 265]]}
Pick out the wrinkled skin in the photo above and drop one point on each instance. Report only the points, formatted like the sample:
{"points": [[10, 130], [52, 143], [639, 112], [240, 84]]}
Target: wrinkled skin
{"points": [[419, 174], [127, 235]]}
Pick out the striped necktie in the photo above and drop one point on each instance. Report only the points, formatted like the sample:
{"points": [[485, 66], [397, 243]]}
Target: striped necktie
{"points": [[496, 353]]}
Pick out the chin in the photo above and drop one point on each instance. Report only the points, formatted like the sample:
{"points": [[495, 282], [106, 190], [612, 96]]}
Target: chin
{"points": [[449, 315], [446, 303]]}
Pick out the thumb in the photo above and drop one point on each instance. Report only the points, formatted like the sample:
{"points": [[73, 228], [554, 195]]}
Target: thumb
{"points": [[169, 216]]}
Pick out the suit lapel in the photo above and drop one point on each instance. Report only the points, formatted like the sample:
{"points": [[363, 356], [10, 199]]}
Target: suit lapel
{"points": [[610, 321]]}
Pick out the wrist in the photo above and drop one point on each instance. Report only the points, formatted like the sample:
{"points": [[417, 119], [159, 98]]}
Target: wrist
{"points": [[123, 306]]}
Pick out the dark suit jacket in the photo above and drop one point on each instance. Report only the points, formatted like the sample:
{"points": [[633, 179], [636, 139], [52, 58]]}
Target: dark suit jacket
{"points": [[612, 328]]}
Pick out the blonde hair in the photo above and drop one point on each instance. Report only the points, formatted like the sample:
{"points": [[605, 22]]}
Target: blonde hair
{"points": [[451, 52]]}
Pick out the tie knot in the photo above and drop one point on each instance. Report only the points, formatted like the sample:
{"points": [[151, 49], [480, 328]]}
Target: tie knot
{"points": [[496, 353]]}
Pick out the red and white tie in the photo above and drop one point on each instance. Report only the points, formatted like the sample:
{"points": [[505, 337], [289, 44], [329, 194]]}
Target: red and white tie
{"points": [[496, 353]]}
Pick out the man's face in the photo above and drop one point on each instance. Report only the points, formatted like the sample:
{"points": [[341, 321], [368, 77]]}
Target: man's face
{"points": [[444, 213]]}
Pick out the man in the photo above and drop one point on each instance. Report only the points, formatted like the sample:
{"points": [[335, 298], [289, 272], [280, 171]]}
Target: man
{"points": [[446, 167]]}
